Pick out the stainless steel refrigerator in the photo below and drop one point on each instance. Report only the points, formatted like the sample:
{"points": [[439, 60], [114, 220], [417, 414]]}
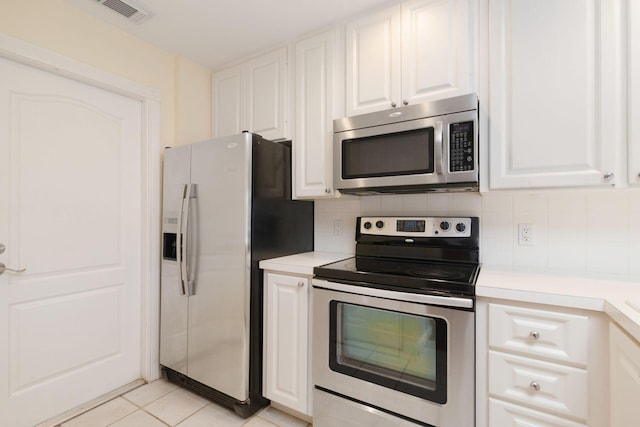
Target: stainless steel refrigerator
{"points": [[226, 206]]}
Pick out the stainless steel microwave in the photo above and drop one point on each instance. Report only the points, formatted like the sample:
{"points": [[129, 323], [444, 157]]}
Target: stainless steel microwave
{"points": [[424, 147]]}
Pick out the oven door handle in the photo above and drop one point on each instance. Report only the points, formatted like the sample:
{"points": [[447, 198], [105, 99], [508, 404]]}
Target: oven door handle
{"points": [[457, 302]]}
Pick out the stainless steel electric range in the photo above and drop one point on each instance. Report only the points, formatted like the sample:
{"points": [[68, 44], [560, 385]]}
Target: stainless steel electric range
{"points": [[393, 340]]}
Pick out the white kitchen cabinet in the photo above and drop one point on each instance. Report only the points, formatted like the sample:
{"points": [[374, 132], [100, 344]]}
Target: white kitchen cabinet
{"points": [[286, 346], [549, 387], [228, 101], [418, 51], [315, 77], [633, 75], [540, 365], [625, 378], [252, 96], [520, 338], [373, 62], [505, 414], [437, 49], [550, 335], [555, 93]]}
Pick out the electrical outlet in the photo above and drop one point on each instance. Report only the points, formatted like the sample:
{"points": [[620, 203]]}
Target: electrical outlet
{"points": [[337, 227], [526, 234]]}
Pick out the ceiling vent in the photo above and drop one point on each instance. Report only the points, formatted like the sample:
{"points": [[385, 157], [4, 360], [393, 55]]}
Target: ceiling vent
{"points": [[129, 9]]}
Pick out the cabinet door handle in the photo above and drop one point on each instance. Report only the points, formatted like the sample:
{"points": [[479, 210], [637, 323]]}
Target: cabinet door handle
{"points": [[4, 268], [534, 335], [534, 386], [300, 284], [393, 104], [405, 102], [327, 190], [609, 176]]}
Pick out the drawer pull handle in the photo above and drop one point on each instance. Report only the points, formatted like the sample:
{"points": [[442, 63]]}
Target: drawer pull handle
{"points": [[534, 386], [534, 335]]}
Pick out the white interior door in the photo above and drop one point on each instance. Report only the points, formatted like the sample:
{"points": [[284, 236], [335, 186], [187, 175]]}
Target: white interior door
{"points": [[70, 213]]}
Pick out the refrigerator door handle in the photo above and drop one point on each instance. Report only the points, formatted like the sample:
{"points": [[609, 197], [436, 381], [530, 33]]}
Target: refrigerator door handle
{"points": [[187, 284], [179, 241]]}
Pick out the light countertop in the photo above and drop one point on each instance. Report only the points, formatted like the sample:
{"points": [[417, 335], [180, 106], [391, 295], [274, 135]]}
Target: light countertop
{"points": [[302, 263], [618, 297]]}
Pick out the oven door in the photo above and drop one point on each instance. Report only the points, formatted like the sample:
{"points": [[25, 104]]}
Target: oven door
{"points": [[384, 351]]}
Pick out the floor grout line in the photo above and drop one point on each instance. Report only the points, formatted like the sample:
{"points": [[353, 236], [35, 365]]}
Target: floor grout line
{"points": [[263, 415]]}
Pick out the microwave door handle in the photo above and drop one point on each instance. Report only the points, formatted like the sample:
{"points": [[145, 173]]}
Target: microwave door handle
{"points": [[439, 148]]}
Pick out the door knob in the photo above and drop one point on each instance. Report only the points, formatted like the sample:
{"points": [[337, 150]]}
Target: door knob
{"points": [[4, 268]]}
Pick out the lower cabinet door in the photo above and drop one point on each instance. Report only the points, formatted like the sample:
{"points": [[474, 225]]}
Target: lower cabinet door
{"points": [[625, 379], [286, 341], [502, 414]]}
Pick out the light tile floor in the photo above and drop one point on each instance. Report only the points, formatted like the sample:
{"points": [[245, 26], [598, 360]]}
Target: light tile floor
{"points": [[161, 404]]}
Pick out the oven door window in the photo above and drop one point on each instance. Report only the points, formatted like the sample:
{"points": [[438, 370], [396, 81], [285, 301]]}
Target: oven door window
{"points": [[401, 153], [401, 351]]}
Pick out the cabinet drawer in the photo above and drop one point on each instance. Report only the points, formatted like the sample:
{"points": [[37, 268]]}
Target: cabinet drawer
{"points": [[539, 333], [559, 389], [505, 414]]}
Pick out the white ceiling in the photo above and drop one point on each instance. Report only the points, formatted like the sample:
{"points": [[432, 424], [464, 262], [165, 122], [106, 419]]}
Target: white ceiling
{"points": [[215, 32]]}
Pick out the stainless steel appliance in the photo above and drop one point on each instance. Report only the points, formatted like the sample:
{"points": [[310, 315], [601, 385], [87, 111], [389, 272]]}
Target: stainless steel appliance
{"points": [[423, 147], [393, 327], [226, 206]]}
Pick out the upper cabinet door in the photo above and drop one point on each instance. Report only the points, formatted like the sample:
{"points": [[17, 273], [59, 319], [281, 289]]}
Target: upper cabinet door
{"points": [[437, 49], [555, 103], [228, 102], [314, 88], [252, 96], [373, 62], [266, 94], [633, 73]]}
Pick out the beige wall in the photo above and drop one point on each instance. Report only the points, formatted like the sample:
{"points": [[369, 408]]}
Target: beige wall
{"points": [[193, 102], [185, 87]]}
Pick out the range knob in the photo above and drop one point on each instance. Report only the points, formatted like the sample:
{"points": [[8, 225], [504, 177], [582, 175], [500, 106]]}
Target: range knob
{"points": [[461, 227], [379, 224], [444, 225], [367, 225]]}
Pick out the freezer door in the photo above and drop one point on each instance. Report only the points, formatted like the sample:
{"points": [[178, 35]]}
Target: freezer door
{"points": [[220, 265], [173, 304]]}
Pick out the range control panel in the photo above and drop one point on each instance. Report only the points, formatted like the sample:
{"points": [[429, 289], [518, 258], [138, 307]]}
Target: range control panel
{"points": [[461, 155], [416, 226]]}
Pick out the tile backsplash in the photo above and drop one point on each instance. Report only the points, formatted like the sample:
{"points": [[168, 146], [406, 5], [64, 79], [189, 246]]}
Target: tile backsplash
{"points": [[578, 231]]}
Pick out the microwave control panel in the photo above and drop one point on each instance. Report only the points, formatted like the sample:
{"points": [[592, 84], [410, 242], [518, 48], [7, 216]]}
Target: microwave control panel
{"points": [[461, 147]]}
